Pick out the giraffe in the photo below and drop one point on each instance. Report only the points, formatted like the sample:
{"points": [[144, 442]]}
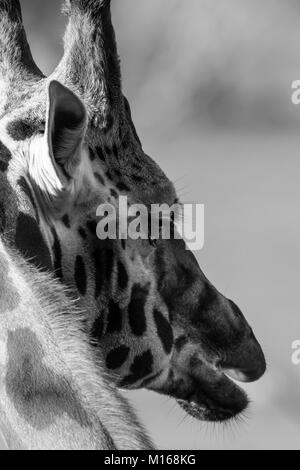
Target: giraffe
{"points": [[171, 331], [154, 319]]}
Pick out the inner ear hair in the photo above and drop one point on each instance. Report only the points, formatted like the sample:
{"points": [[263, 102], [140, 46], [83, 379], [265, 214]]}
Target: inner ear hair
{"points": [[67, 123], [56, 160]]}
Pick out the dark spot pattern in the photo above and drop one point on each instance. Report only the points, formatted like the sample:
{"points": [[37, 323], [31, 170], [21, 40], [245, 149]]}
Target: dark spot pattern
{"points": [[92, 227], [122, 187], [108, 150], [66, 221], [164, 331], [98, 328], [109, 175], [3, 166], [180, 342], [122, 276], [21, 129], [92, 155], [114, 320], [136, 165], [117, 357], [2, 218], [103, 258], [30, 242], [39, 395], [109, 123], [24, 186], [121, 133], [82, 233], [115, 151], [57, 255], [117, 173], [140, 368], [5, 157], [109, 263], [137, 178], [114, 194], [100, 154], [136, 310], [80, 275]]}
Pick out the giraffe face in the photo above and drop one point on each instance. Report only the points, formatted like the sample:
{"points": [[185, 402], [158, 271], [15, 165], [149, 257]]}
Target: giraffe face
{"points": [[174, 333], [165, 326], [154, 318]]}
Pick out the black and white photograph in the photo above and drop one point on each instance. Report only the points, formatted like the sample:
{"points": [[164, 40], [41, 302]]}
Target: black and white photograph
{"points": [[149, 227]]}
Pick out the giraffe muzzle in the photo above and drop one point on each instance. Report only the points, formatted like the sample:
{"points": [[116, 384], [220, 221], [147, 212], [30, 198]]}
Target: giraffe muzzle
{"points": [[208, 391]]}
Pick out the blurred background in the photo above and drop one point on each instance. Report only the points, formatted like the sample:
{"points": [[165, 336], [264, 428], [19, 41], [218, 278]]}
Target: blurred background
{"points": [[210, 87]]}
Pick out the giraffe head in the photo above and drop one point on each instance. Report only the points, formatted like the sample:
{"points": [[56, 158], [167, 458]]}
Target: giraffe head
{"points": [[68, 145]]}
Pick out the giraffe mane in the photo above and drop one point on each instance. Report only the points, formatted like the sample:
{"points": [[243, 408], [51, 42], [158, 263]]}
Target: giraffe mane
{"points": [[64, 319]]}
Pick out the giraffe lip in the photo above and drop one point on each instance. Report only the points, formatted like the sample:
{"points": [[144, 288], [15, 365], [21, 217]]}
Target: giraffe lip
{"points": [[215, 399]]}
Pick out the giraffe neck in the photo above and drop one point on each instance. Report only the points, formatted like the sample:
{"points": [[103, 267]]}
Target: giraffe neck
{"points": [[51, 394]]}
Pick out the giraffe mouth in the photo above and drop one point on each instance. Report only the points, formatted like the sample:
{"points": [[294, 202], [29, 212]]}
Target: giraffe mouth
{"points": [[213, 396]]}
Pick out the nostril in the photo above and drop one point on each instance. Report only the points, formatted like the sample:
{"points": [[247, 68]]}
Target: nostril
{"points": [[245, 375], [251, 375], [247, 366], [236, 374]]}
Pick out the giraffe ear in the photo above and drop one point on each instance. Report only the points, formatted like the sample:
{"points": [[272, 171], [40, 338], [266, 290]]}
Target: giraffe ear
{"points": [[66, 128]]}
